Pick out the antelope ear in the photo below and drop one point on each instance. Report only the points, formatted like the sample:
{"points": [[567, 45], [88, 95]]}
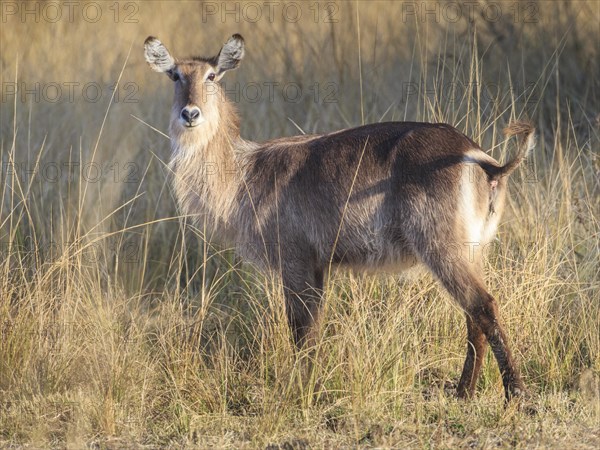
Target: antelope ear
{"points": [[157, 55], [231, 54]]}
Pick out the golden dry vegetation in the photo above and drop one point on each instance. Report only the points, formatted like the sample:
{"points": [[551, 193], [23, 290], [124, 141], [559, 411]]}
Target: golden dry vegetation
{"points": [[121, 328]]}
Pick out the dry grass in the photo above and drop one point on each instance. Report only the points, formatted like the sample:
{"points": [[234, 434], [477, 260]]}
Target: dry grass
{"points": [[120, 327]]}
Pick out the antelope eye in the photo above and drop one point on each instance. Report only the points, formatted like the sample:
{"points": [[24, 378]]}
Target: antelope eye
{"points": [[211, 76], [174, 75]]}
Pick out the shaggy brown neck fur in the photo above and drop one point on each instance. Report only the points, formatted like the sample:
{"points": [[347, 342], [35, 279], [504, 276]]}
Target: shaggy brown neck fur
{"points": [[206, 165]]}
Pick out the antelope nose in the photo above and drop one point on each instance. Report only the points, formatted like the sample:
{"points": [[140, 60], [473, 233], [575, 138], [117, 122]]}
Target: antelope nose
{"points": [[191, 115]]}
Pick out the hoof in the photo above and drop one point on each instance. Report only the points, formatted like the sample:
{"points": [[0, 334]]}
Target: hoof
{"points": [[522, 400]]}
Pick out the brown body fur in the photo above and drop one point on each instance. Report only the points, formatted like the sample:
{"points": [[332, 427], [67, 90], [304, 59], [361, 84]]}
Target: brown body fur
{"points": [[383, 196]]}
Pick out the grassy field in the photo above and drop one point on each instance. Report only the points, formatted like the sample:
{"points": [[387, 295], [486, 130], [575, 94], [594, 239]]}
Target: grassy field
{"points": [[121, 328]]}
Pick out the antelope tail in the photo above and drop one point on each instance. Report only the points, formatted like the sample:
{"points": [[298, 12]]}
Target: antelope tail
{"points": [[526, 134]]}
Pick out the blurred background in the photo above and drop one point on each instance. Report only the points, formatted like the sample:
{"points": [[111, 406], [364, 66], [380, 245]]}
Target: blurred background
{"points": [[112, 306]]}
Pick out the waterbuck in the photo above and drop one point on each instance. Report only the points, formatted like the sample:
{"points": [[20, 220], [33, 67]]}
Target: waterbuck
{"points": [[383, 196]]}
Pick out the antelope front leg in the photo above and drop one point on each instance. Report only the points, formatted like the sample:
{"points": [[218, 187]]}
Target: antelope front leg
{"points": [[303, 297]]}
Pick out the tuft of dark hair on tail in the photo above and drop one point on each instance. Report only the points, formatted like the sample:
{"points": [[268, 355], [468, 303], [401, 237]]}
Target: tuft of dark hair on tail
{"points": [[525, 131]]}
